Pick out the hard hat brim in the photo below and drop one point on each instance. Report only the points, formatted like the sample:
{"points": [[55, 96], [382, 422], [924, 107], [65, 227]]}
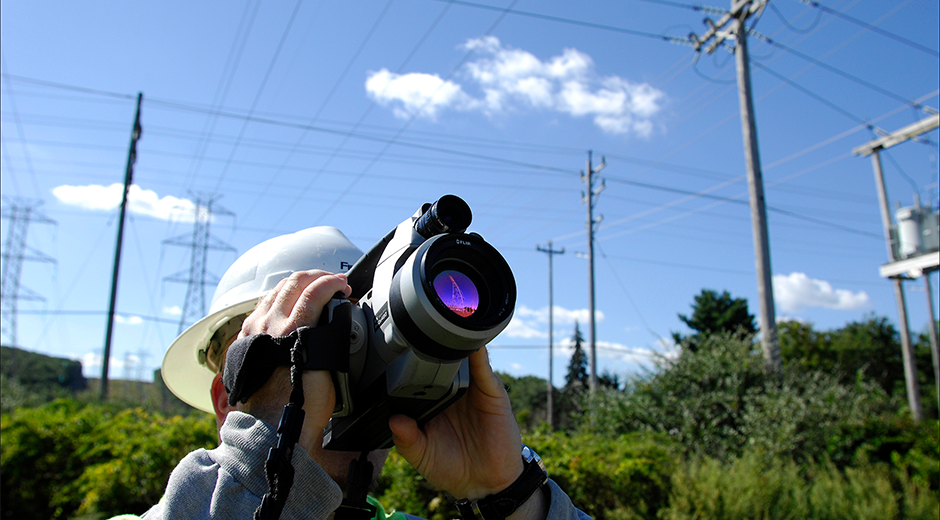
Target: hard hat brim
{"points": [[182, 372]]}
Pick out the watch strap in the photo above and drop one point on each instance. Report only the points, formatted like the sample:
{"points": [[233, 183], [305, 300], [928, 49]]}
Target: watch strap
{"points": [[500, 505]]}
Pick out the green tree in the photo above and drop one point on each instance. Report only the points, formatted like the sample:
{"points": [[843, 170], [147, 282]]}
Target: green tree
{"points": [[714, 313], [577, 377], [870, 348]]}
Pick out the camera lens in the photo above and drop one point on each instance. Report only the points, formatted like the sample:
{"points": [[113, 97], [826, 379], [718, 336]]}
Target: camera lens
{"points": [[452, 296], [457, 292]]}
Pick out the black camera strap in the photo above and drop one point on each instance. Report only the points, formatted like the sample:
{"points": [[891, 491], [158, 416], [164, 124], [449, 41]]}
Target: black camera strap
{"points": [[251, 360]]}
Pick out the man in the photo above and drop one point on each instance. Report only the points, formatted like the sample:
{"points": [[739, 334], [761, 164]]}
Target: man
{"points": [[471, 450]]}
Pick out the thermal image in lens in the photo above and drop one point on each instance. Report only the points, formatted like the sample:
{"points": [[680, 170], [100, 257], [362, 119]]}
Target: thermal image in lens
{"points": [[457, 292]]}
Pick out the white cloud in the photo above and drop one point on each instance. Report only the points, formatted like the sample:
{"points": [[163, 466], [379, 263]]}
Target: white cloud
{"points": [[796, 291], [173, 311], [561, 315], [533, 323], [415, 93], [140, 201], [520, 328], [514, 79], [128, 320]]}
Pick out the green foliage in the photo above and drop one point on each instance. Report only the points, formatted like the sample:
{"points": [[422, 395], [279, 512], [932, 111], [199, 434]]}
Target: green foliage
{"points": [[67, 458], [401, 488], [718, 400], [31, 379], [528, 396], [621, 477], [714, 313], [758, 486], [870, 348]]}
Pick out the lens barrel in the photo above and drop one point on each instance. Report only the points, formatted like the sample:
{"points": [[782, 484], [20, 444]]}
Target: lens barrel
{"points": [[452, 296]]}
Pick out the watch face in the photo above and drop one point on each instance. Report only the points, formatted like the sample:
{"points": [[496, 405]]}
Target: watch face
{"points": [[529, 455]]}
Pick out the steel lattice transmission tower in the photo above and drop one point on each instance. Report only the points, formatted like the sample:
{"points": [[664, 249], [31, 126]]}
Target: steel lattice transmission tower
{"points": [[20, 213], [199, 242]]}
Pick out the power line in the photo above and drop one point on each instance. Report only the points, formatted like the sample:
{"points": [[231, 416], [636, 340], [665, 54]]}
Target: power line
{"points": [[745, 202], [404, 127], [232, 62], [698, 7], [264, 82], [592, 25], [834, 70], [872, 28], [323, 105], [61, 312], [812, 94], [20, 133]]}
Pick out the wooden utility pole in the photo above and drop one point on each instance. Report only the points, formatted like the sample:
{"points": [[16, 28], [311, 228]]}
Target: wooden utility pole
{"points": [[740, 11], [589, 198], [128, 180], [922, 263], [551, 343]]}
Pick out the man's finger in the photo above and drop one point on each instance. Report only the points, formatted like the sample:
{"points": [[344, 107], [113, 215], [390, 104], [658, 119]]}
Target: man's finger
{"points": [[294, 286]]}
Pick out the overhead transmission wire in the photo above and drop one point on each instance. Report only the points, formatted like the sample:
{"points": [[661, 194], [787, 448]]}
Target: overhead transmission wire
{"points": [[699, 106], [361, 119], [264, 82], [569, 21], [778, 181], [812, 94], [323, 104], [864, 124], [398, 134], [834, 70], [871, 27], [186, 107], [21, 135], [232, 61], [623, 287], [792, 27], [740, 201], [365, 137]]}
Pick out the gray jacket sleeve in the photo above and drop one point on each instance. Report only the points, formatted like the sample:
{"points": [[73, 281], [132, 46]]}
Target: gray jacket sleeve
{"points": [[228, 482]]}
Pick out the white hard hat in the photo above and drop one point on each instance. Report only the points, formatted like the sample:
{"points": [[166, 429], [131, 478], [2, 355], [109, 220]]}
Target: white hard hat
{"points": [[194, 357]]}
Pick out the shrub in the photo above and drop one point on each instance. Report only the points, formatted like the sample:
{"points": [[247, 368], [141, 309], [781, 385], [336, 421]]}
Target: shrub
{"points": [[66, 458], [759, 486], [718, 401], [623, 477]]}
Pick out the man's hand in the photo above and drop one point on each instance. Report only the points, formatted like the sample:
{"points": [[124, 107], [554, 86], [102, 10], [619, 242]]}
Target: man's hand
{"points": [[298, 301], [471, 450]]}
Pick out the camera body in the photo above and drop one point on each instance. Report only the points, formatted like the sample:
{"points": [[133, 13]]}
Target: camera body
{"points": [[427, 296]]}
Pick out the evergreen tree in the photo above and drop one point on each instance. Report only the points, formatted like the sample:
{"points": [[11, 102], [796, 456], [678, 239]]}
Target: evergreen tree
{"points": [[714, 313], [577, 377]]}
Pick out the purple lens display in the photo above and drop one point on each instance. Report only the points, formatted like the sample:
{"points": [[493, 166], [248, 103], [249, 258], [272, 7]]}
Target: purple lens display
{"points": [[457, 292]]}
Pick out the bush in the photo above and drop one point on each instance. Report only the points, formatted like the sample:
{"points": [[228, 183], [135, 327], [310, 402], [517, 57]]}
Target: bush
{"points": [[758, 486], [624, 477], [67, 458], [719, 400]]}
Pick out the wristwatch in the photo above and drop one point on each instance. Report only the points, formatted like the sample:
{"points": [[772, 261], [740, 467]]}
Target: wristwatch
{"points": [[505, 503]]}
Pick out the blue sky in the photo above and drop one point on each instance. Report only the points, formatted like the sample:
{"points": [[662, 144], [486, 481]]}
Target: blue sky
{"points": [[352, 114]]}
